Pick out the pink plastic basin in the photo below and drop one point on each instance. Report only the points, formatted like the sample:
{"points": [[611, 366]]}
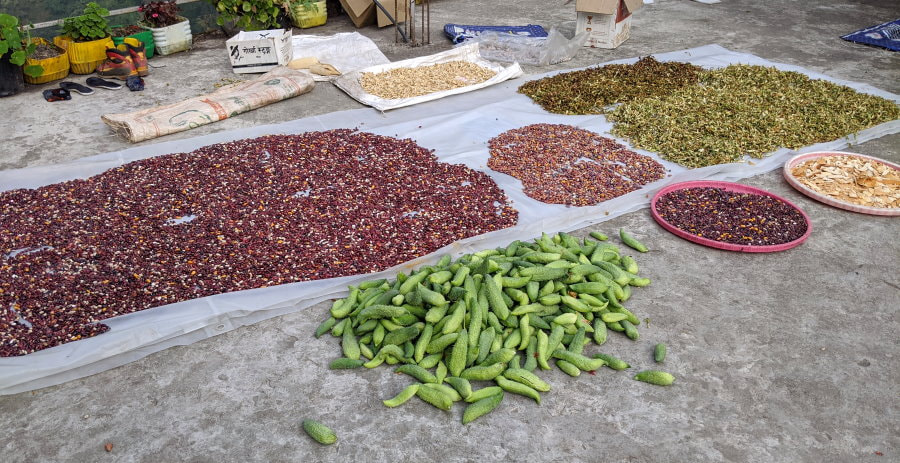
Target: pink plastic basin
{"points": [[733, 187]]}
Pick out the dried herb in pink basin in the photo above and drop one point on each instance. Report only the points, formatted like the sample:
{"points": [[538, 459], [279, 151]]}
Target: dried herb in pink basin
{"points": [[732, 217]]}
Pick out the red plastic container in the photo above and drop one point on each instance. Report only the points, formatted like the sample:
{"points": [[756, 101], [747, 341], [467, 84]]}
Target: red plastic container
{"points": [[733, 187]]}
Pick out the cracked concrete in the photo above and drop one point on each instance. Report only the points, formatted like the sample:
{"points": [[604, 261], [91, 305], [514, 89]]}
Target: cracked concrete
{"points": [[787, 357]]}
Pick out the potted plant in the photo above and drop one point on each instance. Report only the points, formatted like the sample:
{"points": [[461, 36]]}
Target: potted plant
{"points": [[171, 31], [248, 15], [86, 39], [307, 13], [52, 59], [145, 36], [15, 47]]}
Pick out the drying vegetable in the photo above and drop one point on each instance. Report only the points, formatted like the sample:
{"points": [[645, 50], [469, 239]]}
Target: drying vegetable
{"points": [[590, 91], [227, 217], [659, 378], [470, 318], [562, 164], [659, 353], [318, 431], [747, 110]]}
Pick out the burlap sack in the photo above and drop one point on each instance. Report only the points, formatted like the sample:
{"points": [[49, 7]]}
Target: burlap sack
{"points": [[278, 84]]}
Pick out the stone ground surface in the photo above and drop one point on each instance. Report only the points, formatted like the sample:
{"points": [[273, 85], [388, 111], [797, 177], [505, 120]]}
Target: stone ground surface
{"points": [[782, 357]]}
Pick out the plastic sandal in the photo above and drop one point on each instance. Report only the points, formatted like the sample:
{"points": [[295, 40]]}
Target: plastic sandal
{"points": [[57, 94], [102, 83], [78, 88]]}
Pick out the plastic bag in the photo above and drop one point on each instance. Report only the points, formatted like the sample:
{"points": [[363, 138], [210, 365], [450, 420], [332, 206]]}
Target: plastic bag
{"points": [[536, 51], [459, 33]]}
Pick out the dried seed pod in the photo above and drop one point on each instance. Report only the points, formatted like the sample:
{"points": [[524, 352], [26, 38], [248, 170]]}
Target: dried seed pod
{"points": [[410, 82]]}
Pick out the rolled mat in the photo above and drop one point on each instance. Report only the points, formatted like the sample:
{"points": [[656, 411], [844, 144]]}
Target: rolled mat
{"points": [[278, 84]]}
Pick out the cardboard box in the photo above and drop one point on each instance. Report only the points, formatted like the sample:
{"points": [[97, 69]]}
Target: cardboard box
{"points": [[361, 12], [259, 51], [399, 15], [608, 22], [607, 6]]}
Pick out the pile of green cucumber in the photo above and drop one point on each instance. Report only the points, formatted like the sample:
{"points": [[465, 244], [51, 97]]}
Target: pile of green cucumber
{"points": [[494, 315]]}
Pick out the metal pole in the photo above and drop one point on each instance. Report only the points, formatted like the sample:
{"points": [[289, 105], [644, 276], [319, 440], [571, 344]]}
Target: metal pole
{"points": [[391, 18], [411, 23]]}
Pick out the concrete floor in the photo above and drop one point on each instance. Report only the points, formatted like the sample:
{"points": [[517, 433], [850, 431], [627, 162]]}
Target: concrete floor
{"points": [[788, 357]]}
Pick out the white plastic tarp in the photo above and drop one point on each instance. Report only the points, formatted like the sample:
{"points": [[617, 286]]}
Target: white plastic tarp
{"points": [[346, 51], [349, 82], [458, 128]]}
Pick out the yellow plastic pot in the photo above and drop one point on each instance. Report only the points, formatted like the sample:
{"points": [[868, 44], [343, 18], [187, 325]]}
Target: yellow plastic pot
{"points": [[84, 57], [306, 16], [54, 68]]}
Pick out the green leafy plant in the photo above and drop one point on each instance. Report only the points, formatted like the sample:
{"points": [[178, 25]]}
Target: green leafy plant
{"points": [[91, 25], [125, 31], [248, 14], [161, 14], [305, 13], [308, 5], [17, 42]]}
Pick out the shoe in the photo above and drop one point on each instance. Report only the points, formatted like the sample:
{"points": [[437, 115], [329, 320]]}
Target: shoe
{"points": [[56, 94], [139, 58], [135, 83], [118, 65], [97, 82], [78, 88]]}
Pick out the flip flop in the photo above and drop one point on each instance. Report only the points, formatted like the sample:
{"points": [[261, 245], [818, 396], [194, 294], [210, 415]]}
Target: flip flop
{"points": [[102, 83], [78, 88], [56, 94]]}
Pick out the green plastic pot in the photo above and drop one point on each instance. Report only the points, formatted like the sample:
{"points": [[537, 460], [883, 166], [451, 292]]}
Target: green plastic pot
{"points": [[146, 37]]}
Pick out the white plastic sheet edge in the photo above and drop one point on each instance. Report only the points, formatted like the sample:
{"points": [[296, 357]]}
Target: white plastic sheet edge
{"points": [[137, 335], [349, 82], [346, 51]]}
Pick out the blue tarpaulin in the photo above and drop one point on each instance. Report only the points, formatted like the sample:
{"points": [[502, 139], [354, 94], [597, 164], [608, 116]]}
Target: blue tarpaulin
{"points": [[459, 33], [885, 35]]}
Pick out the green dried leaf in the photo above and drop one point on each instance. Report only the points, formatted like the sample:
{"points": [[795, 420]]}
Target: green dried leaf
{"points": [[746, 110], [590, 91]]}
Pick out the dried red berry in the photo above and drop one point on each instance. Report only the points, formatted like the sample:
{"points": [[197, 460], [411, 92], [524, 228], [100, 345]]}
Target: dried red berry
{"points": [[227, 217], [562, 164]]}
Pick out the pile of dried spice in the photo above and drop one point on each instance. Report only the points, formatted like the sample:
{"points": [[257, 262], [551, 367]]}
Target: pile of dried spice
{"points": [[732, 217], [227, 217], [747, 110], [422, 80], [591, 90], [851, 179], [562, 164]]}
